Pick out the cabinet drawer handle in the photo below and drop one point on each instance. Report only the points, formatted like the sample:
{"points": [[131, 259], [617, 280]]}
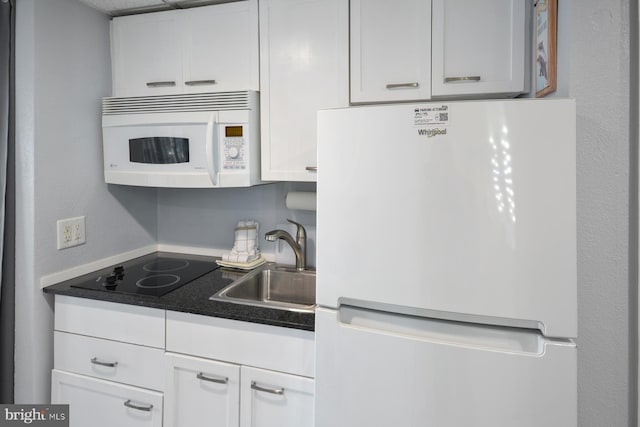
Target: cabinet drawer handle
{"points": [[200, 82], [219, 380], [160, 84], [462, 79], [131, 405], [403, 85], [95, 361], [278, 391], [312, 168]]}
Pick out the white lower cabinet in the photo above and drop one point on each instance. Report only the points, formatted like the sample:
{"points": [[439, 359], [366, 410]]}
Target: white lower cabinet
{"points": [[99, 403], [257, 375], [129, 366], [270, 399], [108, 362], [201, 392]]}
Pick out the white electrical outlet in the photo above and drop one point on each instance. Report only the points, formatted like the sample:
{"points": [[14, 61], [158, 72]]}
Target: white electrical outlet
{"points": [[71, 232]]}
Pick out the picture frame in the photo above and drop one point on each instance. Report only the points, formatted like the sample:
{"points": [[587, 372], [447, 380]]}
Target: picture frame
{"points": [[545, 57]]}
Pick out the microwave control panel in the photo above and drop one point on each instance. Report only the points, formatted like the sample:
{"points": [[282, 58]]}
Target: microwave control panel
{"points": [[234, 147]]}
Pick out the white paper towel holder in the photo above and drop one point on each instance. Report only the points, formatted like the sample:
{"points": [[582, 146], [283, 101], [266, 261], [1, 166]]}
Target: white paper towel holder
{"points": [[301, 200]]}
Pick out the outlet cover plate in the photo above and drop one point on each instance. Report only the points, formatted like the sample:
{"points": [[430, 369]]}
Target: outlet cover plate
{"points": [[70, 232]]}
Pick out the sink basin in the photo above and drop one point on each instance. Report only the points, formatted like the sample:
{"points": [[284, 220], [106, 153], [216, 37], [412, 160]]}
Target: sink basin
{"points": [[273, 286]]}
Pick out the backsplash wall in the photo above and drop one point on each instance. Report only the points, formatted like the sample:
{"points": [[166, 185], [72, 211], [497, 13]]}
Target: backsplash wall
{"points": [[206, 218]]}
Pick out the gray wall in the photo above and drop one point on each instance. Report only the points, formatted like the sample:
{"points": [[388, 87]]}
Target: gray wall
{"points": [[206, 218], [63, 69], [595, 66]]}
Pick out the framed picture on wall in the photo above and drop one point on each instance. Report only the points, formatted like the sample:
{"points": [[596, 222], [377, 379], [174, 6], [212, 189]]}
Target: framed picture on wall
{"points": [[545, 48]]}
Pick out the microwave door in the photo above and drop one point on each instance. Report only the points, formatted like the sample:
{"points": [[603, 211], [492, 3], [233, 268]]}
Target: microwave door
{"points": [[160, 150]]}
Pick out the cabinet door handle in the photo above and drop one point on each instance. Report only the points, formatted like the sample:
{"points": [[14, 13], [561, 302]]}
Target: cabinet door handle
{"points": [[219, 380], [462, 79], [132, 405], [312, 168], [413, 85], [95, 361], [160, 84], [200, 82], [278, 391]]}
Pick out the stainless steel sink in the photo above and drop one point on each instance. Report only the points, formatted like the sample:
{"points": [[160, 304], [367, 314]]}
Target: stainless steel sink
{"points": [[273, 286]]}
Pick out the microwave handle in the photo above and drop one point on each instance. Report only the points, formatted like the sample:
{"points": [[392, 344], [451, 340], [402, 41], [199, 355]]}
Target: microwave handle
{"points": [[212, 148]]}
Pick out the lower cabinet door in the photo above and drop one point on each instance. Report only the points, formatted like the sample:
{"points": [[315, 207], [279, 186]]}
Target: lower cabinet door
{"points": [[100, 403], [274, 399], [201, 392]]}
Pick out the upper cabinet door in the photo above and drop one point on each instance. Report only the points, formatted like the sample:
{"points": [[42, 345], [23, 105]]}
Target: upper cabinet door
{"points": [[480, 48], [221, 47], [304, 67], [204, 49], [146, 51], [390, 50]]}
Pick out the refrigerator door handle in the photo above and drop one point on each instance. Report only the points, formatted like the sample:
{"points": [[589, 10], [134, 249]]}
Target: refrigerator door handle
{"points": [[500, 338]]}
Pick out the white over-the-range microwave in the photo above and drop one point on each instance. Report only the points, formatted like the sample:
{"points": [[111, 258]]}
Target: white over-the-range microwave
{"points": [[203, 140]]}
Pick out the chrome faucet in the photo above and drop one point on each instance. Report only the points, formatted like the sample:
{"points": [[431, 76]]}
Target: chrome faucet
{"points": [[299, 245]]}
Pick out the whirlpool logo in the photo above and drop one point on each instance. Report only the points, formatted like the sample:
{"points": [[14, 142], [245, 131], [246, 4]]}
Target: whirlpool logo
{"points": [[430, 133], [38, 415]]}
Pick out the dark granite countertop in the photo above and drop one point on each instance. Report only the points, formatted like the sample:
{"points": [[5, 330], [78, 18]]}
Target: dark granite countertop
{"points": [[194, 298]]}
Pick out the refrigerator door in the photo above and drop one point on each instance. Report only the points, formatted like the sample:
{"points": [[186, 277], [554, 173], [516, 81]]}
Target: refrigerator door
{"points": [[377, 369], [463, 210]]}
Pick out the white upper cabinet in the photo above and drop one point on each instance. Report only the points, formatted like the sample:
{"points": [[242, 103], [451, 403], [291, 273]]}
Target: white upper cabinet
{"points": [[146, 54], [205, 49], [408, 50], [479, 48], [222, 45], [304, 67], [390, 50]]}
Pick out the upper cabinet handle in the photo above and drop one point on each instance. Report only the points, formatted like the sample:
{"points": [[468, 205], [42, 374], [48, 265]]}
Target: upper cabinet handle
{"points": [[200, 82], [278, 391], [160, 84], [95, 361], [462, 79], [413, 85], [219, 380], [312, 168], [132, 405]]}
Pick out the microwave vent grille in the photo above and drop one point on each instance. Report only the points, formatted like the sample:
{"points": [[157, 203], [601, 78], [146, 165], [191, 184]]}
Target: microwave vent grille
{"points": [[216, 101]]}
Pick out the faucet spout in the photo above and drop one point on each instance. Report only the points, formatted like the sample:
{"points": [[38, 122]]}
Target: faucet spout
{"points": [[299, 245]]}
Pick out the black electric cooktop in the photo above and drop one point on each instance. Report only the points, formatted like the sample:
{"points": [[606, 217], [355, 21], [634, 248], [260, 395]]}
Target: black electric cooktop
{"points": [[155, 274]]}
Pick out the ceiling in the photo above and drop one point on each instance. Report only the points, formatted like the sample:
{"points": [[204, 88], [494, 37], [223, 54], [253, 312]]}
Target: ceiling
{"points": [[131, 7]]}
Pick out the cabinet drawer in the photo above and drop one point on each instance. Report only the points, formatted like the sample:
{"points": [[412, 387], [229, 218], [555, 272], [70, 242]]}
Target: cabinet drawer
{"points": [[97, 403], [111, 360], [119, 322], [263, 346]]}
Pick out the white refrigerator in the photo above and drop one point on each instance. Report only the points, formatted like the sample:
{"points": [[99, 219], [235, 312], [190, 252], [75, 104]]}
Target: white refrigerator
{"points": [[446, 283]]}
